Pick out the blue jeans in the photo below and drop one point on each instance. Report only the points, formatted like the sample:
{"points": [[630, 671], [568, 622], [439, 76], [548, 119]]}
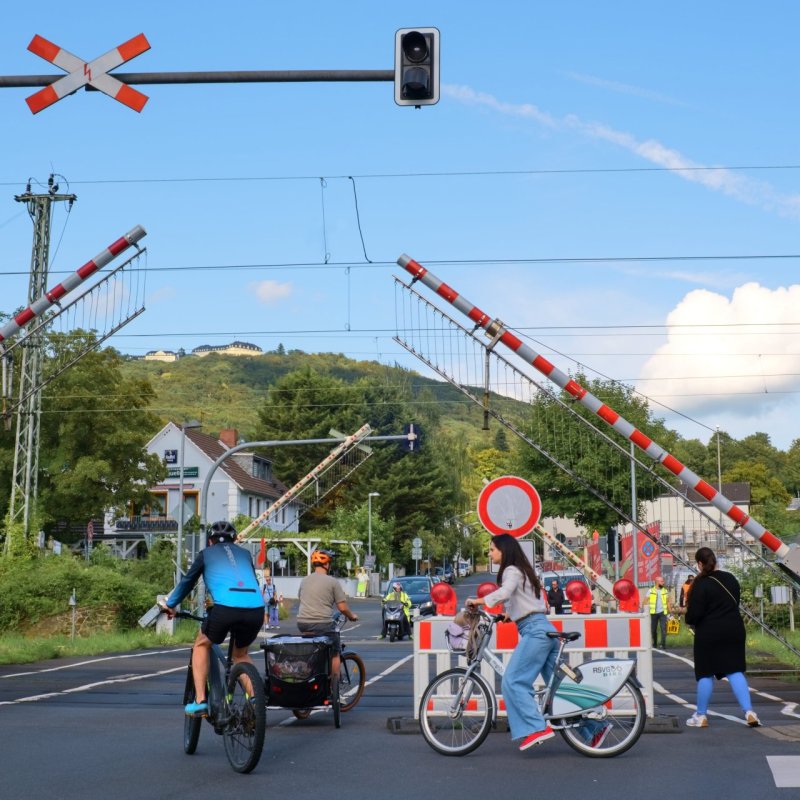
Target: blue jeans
{"points": [[534, 654]]}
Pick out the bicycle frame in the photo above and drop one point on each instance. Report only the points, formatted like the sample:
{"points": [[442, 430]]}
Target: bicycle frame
{"points": [[569, 692]]}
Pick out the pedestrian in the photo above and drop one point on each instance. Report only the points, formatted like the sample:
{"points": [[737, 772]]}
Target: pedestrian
{"points": [[523, 596], [361, 586], [719, 640], [683, 599], [555, 597], [657, 603], [271, 603]]}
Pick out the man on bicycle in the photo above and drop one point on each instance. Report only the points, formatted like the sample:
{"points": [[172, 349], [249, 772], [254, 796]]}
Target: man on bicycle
{"points": [[238, 609], [319, 594]]}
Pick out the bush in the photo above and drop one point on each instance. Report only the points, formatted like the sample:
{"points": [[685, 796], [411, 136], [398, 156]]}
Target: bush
{"points": [[33, 590]]}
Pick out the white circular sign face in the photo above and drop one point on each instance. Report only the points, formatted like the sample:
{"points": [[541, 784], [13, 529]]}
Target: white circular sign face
{"points": [[509, 505], [416, 542], [273, 554]]}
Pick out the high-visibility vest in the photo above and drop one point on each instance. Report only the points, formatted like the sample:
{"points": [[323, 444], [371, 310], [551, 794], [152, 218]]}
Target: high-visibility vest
{"points": [[664, 599]]}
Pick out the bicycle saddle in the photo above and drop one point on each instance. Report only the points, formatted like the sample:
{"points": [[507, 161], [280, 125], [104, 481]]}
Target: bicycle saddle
{"points": [[569, 636]]}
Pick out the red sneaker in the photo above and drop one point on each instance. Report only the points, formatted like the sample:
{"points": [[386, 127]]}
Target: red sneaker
{"points": [[537, 738]]}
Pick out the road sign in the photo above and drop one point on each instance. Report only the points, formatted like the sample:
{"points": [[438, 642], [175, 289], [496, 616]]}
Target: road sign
{"points": [[93, 73], [273, 554], [416, 542], [416, 553], [509, 505]]}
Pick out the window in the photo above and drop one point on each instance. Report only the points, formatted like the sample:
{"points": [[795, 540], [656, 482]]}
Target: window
{"points": [[262, 469]]}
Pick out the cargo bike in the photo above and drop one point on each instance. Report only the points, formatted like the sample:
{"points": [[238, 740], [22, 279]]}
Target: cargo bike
{"points": [[299, 674]]}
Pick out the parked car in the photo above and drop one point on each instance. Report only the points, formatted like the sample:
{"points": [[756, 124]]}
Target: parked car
{"points": [[418, 588], [563, 579], [444, 574]]}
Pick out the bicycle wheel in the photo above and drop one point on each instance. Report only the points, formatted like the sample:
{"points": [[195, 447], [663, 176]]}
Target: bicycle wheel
{"points": [[352, 678], [191, 725], [246, 717], [456, 712], [625, 720]]}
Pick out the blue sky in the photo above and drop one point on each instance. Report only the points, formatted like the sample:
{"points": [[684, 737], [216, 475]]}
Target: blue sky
{"points": [[618, 180]]}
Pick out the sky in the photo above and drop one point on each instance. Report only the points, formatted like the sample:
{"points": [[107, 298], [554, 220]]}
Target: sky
{"points": [[619, 182]]}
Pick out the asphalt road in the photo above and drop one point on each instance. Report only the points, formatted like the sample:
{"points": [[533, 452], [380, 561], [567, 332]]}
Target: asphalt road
{"points": [[111, 726]]}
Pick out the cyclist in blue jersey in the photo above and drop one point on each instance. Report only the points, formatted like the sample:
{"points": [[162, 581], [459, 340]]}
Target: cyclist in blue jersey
{"points": [[238, 609]]}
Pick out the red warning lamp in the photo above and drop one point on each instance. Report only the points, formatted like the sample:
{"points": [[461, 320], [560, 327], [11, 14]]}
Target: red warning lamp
{"points": [[576, 591], [486, 588], [623, 589], [444, 596]]}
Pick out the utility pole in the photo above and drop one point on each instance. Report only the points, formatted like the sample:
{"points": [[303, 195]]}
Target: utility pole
{"points": [[24, 486]]}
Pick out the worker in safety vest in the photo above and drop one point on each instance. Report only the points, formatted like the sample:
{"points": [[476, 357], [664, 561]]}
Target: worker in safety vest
{"points": [[657, 602]]}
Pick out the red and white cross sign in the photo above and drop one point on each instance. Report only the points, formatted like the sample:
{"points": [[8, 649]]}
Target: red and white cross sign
{"points": [[509, 505], [94, 73]]}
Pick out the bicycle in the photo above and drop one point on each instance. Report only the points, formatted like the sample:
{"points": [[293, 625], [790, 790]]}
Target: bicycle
{"points": [[236, 711], [299, 674], [459, 706]]}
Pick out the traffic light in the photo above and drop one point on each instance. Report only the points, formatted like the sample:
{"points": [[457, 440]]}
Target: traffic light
{"points": [[416, 66]]}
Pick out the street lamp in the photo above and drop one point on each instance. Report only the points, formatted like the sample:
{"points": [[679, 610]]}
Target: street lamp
{"points": [[369, 520], [186, 426]]}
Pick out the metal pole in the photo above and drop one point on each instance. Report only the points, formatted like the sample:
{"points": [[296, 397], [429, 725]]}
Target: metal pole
{"points": [[634, 527], [179, 548], [369, 524]]}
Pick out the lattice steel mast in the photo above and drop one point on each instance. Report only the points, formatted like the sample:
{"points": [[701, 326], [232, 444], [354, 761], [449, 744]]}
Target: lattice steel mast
{"points": [[24, 486]]}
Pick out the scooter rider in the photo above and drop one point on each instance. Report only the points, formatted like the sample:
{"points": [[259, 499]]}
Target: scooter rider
{"points": [[397, 594]]}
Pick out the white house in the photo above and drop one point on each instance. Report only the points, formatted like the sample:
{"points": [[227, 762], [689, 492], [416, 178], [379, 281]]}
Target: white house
{"points": [[242, 484]]}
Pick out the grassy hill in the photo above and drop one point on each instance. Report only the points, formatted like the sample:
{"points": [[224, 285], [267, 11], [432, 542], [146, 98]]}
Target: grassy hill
{"points": [[223, 391]]}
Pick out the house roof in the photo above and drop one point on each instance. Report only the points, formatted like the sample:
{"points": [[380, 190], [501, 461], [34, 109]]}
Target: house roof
{"points": [[213, 448], [736, 492]]}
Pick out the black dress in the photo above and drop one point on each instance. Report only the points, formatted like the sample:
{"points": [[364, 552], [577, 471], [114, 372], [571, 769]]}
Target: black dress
{"points": [[719, 641]]}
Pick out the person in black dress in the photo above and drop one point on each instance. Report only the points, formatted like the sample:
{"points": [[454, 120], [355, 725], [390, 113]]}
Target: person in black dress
{"points": [[719, 641]]}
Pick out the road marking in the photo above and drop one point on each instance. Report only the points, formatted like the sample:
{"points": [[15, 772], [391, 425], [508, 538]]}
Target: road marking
{"points": [[94, 661], [785, 771], [87, 686]]}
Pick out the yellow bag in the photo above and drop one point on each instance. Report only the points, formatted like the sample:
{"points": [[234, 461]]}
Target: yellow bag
{"points": [[673, 625]]}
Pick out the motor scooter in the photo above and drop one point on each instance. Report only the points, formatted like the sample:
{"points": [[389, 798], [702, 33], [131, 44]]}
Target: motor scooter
{"points": [[394, 619]]}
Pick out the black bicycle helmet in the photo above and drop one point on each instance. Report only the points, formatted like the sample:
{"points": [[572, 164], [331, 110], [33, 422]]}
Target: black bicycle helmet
{"points": [[222, 531]]}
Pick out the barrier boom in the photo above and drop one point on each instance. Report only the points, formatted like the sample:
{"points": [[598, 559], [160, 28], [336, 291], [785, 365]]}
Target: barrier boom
{"points": [[788, 557]]}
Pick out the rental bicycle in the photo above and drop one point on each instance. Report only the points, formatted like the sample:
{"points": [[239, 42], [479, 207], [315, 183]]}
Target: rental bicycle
{"points": [[597, 707], [299, 674], [236, 706]]}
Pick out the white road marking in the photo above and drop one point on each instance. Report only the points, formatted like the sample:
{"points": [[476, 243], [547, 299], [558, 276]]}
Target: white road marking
{"points": [[785, 771]]}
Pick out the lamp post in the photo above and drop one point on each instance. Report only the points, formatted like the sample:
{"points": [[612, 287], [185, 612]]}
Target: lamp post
{"points": [[186, 426], [369, 520]]}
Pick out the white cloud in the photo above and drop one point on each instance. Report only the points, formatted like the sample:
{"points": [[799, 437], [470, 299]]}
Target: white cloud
{"points": [[731, 354], [269, 292], [718, 179], [622, 88]]}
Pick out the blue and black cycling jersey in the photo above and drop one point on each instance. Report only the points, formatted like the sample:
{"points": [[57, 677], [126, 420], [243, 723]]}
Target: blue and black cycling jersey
{"points": [[229, 575]]}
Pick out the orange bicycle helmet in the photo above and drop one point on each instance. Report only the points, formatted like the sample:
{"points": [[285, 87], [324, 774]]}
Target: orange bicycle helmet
{"points": [[321, 558]]}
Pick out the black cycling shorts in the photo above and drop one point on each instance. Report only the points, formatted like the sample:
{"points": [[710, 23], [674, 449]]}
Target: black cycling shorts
{"points": [[243, 624]]}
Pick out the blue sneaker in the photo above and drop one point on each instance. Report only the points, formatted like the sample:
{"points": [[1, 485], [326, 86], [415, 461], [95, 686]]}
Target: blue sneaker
{"points": [[196, 709]]}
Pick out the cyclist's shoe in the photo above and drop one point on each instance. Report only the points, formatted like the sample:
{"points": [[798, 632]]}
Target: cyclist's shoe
{"points": [[196, 709], [536, 738], [697, 721], [600, 735], [382, 636], [751, 718]]}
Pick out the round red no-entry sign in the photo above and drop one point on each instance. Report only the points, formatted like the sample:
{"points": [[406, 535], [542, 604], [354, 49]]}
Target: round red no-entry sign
{"points": [[509, 505]]}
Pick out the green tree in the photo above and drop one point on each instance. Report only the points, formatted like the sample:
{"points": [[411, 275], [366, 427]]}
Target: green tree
{"points": [[94, 429]]}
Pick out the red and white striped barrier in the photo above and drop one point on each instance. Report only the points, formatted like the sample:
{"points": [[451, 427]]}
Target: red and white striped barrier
{"points": [[52, 296], [624, 635], [497, 330]]}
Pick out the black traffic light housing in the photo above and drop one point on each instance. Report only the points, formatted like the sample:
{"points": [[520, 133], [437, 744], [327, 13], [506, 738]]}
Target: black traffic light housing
{"points": [[416, 66]]}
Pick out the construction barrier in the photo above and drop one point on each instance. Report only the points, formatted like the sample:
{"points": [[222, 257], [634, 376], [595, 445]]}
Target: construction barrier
{"points": [[602, 636]]}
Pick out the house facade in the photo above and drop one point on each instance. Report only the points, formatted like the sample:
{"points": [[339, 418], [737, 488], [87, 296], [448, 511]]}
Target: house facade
{"points": [[243, 484]]}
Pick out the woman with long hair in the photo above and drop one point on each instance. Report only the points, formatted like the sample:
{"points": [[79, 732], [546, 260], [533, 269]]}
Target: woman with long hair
{"points": [[520, 590], [719, 640]]}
